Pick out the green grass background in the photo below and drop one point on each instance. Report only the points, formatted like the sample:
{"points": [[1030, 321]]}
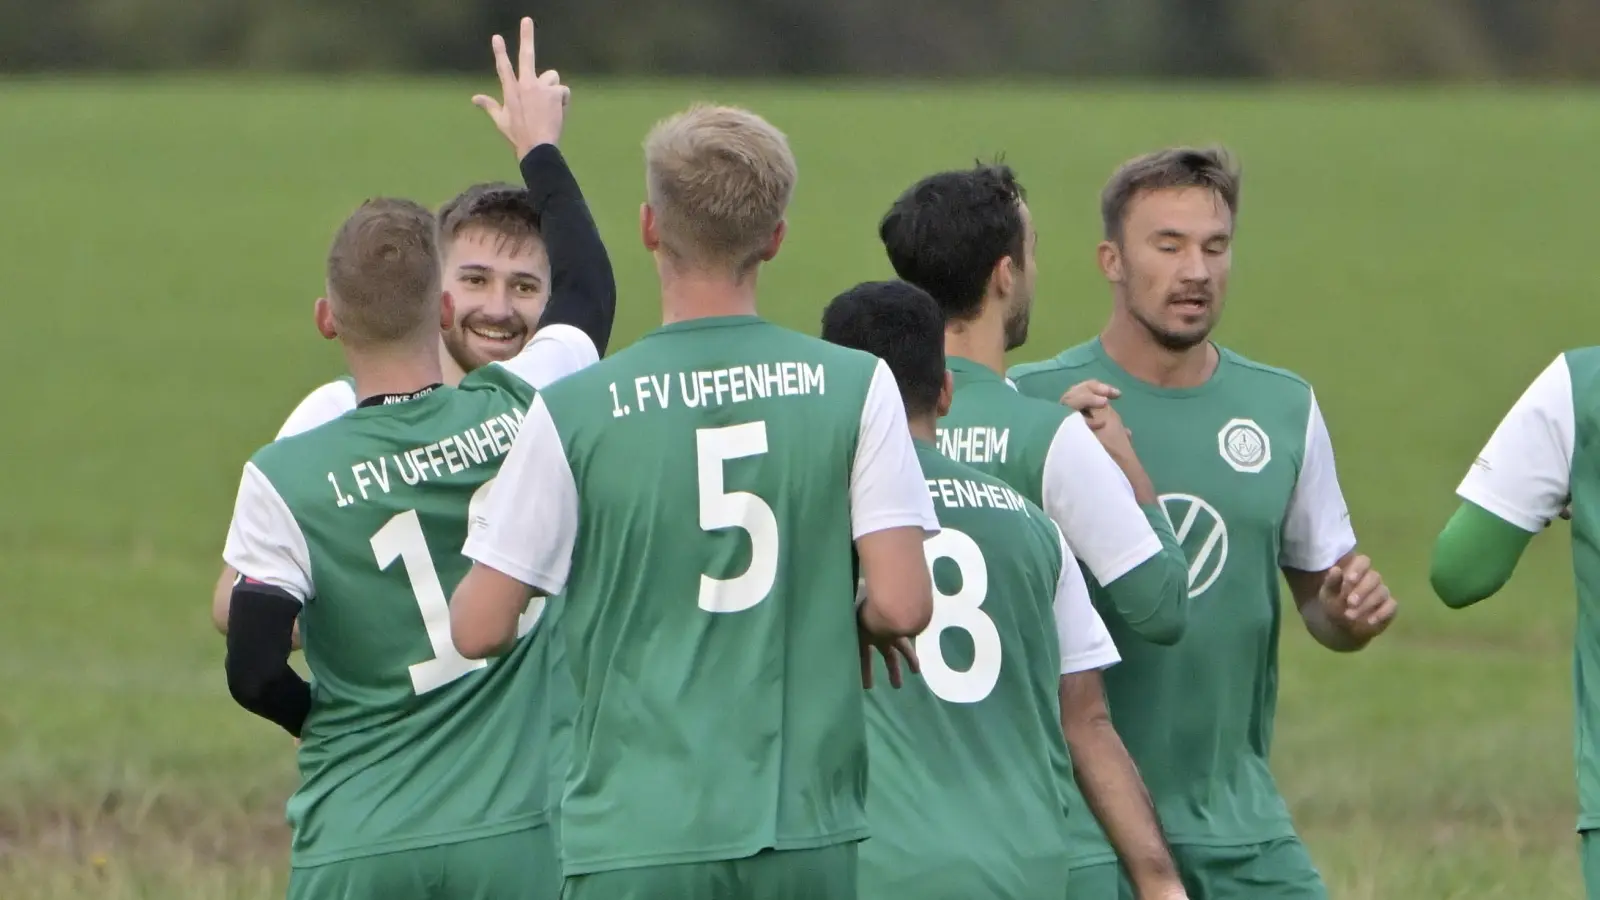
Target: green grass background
{"points": [[1419, 256]]}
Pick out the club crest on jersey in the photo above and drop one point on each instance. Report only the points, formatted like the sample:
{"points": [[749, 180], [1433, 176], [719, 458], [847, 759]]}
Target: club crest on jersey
{"points": [[1203, 535], [1244, 445]]}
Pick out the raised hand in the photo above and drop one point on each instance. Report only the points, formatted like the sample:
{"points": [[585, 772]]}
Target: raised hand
{"points": [[533, 106]]}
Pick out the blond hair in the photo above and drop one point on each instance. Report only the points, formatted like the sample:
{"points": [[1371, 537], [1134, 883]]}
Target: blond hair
{"points": [[383, 272], [719, 179]]}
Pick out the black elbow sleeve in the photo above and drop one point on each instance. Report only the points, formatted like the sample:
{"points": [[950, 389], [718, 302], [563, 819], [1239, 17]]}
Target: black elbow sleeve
{"points": [[260, 638]]}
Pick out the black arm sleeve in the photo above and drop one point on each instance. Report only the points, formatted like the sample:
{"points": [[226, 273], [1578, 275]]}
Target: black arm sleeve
{"points": [[583, 289], [260, 637]]}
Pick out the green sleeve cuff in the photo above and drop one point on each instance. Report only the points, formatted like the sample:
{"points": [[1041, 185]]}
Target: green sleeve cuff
{"points": [[1475, 555], [1153, 597]]}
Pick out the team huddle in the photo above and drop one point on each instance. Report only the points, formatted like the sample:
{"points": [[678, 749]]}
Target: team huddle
{"points": [[739, 612]]}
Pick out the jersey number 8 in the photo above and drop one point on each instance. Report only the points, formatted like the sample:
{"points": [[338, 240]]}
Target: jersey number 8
{"points": [[962, 610]]}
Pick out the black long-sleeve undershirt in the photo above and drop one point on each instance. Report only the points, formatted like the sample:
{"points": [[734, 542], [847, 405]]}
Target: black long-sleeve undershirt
{"points": [[583, 288], [261, 622]]}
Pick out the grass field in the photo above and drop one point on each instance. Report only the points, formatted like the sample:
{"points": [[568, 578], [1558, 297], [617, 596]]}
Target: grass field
{"points": [[1417, 256]]}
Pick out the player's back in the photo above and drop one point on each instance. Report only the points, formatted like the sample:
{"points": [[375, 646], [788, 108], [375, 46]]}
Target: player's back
{"points": [[998, 431], [407, 744], [964, 798], [708, 620]]}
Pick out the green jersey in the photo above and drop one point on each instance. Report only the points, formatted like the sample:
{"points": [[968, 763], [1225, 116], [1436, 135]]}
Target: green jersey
{"points": [[694, 499], [1049, 455], [362, 519], [964, 798], [1542, 456], [1245, 471]]}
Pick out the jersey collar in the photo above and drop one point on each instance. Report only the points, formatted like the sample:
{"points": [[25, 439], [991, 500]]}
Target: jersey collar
{"points": [[966, 370], [391, 399], [1128, 381]]}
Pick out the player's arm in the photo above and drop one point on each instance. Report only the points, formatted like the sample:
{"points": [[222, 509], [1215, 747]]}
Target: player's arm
{"points": [[576, 324], [1120, 531], [1341, 598], [1106, 774], [324, 404], [891, 514], [522, 544], [583, 288], [1517, 486], [266, 544]]}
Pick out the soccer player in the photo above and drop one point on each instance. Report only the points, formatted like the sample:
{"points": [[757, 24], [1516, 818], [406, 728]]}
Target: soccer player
{"points": [[963, 797], [498, 274], [694, 500], [967, 238], [1244, 466], [423, 773], [1539, 464]]}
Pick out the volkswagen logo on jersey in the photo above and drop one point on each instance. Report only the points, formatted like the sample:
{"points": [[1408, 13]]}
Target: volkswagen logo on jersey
{"points": [[1202, 534], [1244, 446]]}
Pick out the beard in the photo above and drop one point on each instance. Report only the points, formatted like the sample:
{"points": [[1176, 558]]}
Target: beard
{"points": [[1016, 325], [458, 341], [1182, 337]]}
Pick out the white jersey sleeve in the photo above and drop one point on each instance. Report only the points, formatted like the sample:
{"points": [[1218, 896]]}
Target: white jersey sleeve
{"points": [[1092, 501], [1316, 528], [553, 353], [1086, 645], [265, 542], [528, 525], [321, 406], [887, 489], [1524, 474]]}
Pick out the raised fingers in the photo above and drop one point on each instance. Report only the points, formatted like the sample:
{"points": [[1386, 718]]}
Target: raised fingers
{"points": [[502, 66], [525, 68]]}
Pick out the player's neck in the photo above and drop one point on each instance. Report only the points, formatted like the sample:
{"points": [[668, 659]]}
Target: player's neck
{"points": [[450, 371], [1131, 346], [924, 427], [392, 370], [982, 340], [688, 294]]}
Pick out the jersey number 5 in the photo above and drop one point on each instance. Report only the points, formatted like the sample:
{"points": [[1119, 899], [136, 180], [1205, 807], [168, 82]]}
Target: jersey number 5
{"points": [[401, 538], [738, 509], [962, 610]]}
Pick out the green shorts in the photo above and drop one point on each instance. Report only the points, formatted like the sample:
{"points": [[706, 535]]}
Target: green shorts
{"points": [[522, 865], [826, 873], [1589, 854], [952, 876], [1275, 870]]}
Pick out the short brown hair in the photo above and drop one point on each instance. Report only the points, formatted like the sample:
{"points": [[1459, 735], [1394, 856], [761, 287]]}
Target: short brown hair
{"points": [[383, 272], [1175, 167], [719, 179], [496, 207]]}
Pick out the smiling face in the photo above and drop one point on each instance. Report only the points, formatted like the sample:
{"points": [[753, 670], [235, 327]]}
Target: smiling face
{"points": [[499, 285]]}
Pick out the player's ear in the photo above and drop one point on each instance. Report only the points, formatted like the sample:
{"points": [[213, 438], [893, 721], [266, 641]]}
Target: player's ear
{"points": [[1110, 259], [447, 311], [1003, 278], [324, 318], [947, 395], [647, 228], [778, 233]]}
